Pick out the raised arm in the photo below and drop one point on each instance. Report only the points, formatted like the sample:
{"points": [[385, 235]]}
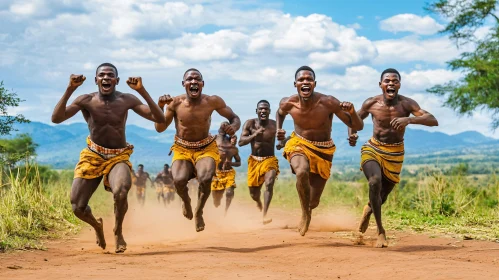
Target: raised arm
{"points": [[151, 111], [63, 112], [421, 116], [281, 113], [363, 113], [246, 136], [226, 112], [345, 111], [169, 112]]}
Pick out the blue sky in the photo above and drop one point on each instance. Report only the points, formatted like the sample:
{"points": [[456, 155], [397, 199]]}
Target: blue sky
{"points": [[246, 50]]}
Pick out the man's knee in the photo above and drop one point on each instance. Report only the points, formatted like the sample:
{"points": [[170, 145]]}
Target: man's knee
{"points": [[302, 173], [255, 193], [78, 210], [314, 203], [229, 192], [375, 182], [205, 178]]}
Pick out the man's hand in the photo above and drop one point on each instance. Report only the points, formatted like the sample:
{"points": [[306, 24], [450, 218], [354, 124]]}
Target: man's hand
{"points": [[135, 83], [233, 140], [228, 128], [76, 80], [347, 107], [399, 123], [259, 131], [164, 100], [352, 139], [281, 134]]}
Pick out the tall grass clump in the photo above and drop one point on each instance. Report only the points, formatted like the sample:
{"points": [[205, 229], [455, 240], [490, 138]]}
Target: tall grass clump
{"points": [[31, 211]]}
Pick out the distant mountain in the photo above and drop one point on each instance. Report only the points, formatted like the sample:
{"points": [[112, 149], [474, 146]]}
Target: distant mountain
{"points": [[61, 144]]}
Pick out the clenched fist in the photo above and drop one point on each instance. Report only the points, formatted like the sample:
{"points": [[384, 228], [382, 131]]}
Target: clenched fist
{"points": [[281, 134], [76, 80], [135, 83], [399, 123], [228, 128], [347, 107], [352, 139], [164, 100]]}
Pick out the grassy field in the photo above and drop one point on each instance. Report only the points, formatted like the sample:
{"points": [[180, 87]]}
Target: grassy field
{"points": [[32, 210]]}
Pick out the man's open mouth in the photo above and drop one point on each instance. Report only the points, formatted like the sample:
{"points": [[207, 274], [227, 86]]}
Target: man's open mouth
{"points": [[391, 91], [263, 115], [106, 86], [194, 89], [306, 89]]}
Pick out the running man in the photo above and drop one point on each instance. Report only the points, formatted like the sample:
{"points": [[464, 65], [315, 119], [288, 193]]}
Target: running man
{"points": [[164, 185], [107, 153], [310, 148], [263, 166], [225, 177], [195, 152], [140, 182], [383, 154]]}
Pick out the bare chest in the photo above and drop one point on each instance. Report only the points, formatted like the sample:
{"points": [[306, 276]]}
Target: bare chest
{"points": [[187, 114], [383, 114], [316, 117], [104, 113]]}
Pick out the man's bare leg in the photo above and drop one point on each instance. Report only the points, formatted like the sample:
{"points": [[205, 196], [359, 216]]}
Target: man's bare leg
{"points": [[372, 170], [81, 192], [267, 195], [300, 165], [181, 172], [386, 189], [229, 195], [205, 169], [120, 182], [317, 184], [255, 195], [217, 197]]}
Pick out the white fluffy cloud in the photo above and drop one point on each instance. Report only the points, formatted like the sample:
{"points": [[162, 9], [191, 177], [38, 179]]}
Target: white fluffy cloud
{"points": [[411, 23]]}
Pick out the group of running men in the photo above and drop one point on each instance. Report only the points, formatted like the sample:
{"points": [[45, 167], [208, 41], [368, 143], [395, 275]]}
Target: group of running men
{"points": [[208, 158]]}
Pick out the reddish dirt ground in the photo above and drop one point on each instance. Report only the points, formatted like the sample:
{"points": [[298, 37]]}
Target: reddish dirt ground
{"points": [[164, 245]]}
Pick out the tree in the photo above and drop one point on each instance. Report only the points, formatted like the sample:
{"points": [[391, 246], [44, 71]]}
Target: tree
{"points": [[15, 149], [479, 88], [8, 99]]}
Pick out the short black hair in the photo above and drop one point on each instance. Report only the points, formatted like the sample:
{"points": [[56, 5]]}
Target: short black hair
{"points": [[390, 70], [263, 101], [166, 164], [193, 69], [140, 165], [306, 68], [109, 65]]}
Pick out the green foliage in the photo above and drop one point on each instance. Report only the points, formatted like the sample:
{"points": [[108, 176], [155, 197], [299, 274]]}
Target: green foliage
{"points": [[8, 99], [479, 89], [16, 149]]}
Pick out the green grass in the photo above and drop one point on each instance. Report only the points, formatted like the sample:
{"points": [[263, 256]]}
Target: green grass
{"points": [[460, 206], [32, 210]]}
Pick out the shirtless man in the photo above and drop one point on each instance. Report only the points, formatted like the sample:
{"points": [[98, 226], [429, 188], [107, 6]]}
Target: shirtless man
{"points": [[140, 180], [107, 154], [195, 152], [383, 154], [310, 148], [225, 177], [164, 185], [263, 166]]}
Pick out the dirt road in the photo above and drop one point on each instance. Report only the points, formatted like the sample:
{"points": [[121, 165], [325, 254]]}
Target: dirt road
{"points": [[163, 245]]}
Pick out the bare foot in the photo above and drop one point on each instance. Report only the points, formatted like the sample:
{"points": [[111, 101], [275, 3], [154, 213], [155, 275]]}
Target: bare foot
{"points": [[187, 210], [199, 223], [267, 221], [364, 221], [99, 234], [304, 223], [359, 239], [120, 243], [381, 242]]}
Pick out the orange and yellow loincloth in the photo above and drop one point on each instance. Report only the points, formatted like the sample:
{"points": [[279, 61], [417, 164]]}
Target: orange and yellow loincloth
{"points": [[194, 151], [164, 188], [258, 166], [223, 179], [389, 156], [96, 161], [319, 154], [140, 190]]}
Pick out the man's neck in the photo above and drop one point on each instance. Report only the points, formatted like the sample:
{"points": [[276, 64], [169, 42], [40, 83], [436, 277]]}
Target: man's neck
{"points": [[306, 102], [107, 97], [263, 122], [391, 102]]}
